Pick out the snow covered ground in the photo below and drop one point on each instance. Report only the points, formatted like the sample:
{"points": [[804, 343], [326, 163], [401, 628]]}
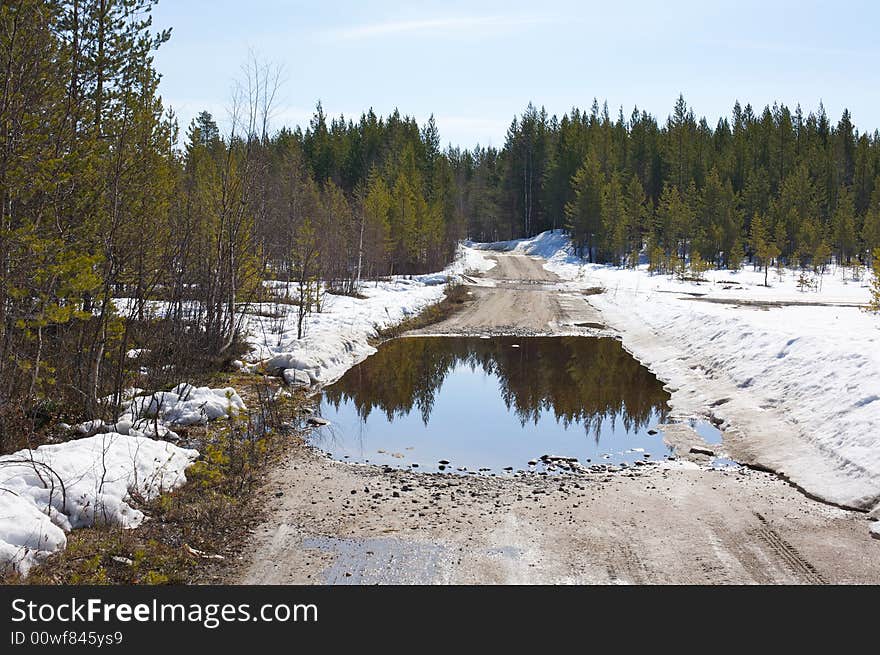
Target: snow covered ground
{"points": [[338, 337], [798, 384], [53, 489]]}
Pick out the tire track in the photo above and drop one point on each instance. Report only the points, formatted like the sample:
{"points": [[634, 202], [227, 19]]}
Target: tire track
{"points": [[796, 562]]}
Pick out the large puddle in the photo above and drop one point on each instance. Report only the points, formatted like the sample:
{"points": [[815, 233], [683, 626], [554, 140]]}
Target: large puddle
{"points": [[468, 404]]}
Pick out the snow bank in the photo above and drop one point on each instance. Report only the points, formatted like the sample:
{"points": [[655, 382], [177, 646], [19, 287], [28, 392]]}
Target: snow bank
{"points": [[469, 260], [546, 245], [185, 405], [153, 414], [54, 489], [36, 509], [796, 383], [338, 337]]}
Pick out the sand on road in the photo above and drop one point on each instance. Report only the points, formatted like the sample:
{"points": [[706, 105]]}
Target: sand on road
{"points": [[341, 523]]}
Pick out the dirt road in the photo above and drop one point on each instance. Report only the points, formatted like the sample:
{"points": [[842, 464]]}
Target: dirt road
{"points": [[519, 297], [349, 524]]}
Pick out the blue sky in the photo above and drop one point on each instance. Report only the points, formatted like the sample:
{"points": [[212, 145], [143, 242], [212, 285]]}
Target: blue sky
{"points": [[475, 65]]}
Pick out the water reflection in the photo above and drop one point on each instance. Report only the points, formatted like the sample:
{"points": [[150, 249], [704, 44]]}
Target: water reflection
{"points": [[432, 396]]}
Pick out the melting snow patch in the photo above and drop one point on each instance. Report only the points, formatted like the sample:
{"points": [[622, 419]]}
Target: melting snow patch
{"points": [[338, 337], [185, 405], [53, 489]]}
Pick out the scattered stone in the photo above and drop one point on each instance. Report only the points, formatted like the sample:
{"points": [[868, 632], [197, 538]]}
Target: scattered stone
{"points": [[699, 450], [317, 421], [296, 378], [558, 458]]}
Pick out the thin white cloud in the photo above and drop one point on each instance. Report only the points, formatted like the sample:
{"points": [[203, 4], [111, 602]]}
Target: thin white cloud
{"points": [[791, 48], [434, 26]]}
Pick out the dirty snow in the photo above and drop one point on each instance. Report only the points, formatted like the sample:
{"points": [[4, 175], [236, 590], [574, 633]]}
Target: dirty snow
{"points": [[797, 384], [97, 472]]}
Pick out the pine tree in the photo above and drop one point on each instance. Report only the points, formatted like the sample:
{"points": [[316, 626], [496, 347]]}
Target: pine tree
{"points": [[871, 228], [764, 248], [844, 226], [614, 219], [874, 304], [637, 214], [377, 230], [680, 129], [583, 213]]}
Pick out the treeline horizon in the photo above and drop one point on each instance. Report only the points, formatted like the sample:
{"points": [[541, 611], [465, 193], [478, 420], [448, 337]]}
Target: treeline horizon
{"points": [[684, 188], [104, 196], [676, 188]]}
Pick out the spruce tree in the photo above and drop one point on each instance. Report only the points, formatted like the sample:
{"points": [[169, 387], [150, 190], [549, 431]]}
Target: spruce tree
{"points": [[583, 212]]}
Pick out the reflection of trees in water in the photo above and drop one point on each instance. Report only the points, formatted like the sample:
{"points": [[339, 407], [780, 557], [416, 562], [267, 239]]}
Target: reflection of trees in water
{"points": [[577, 379]]}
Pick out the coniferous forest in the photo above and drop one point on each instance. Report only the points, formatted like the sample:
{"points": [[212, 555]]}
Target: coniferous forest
{"points": [[109, 205]]}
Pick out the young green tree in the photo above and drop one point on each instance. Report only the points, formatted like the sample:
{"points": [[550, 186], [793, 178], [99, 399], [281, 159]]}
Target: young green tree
{"points": [[637, 214], [871, 227], [614, 220], [844, 226], [305, 257], [763, 246], [377, 224], [674, 222], [874, 304], [584, 212]]}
